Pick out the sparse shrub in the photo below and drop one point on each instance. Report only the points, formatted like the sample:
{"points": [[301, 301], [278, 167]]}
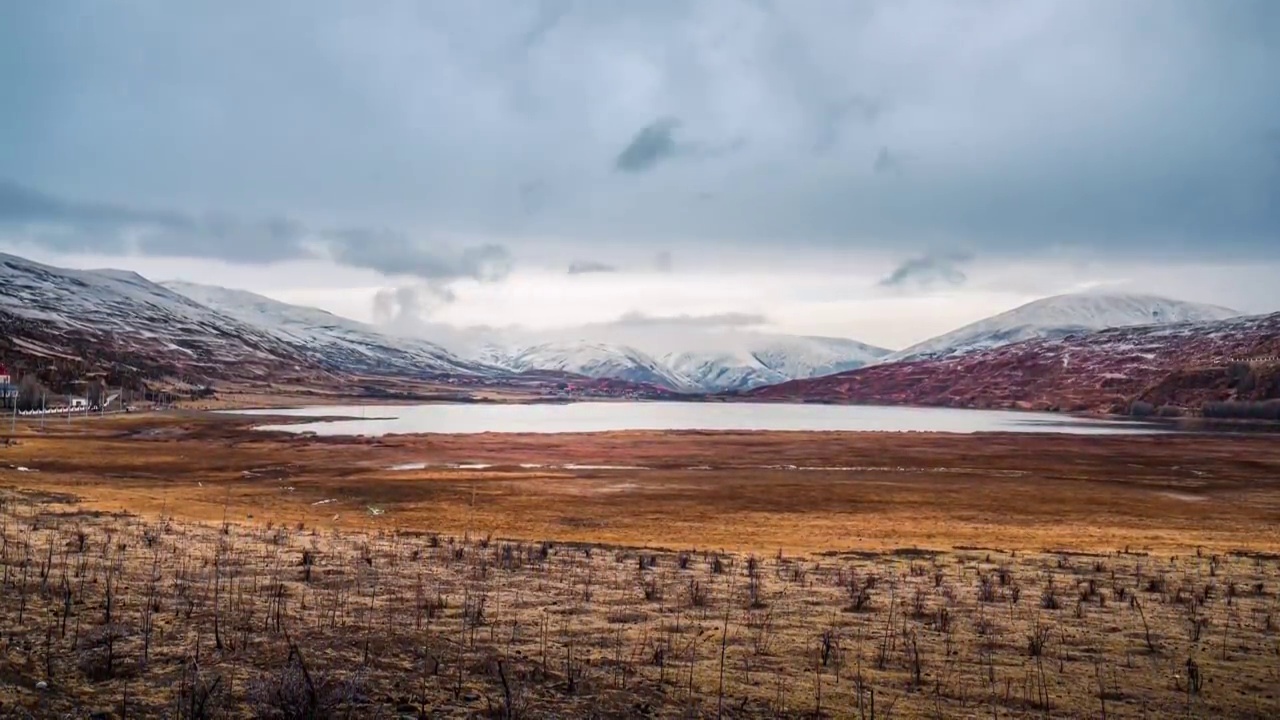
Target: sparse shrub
{"points": [[1088, 590], [986, 589], [919, 604], [755, 592], [200, 696], [1049, 597], [698, 595], [307, 560], [651, 587], [295, 693], [797, 573], [473, 612], [1037, 639], [859, 592]]}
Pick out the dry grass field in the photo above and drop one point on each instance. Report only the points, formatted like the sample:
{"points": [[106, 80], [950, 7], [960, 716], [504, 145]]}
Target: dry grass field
{"points": [[185, 566]]}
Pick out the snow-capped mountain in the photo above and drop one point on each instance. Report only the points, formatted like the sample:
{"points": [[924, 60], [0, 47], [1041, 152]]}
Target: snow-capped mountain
{"points": [[592, 359], [769, 359], [59, 314], [806, 356], [331, 339], [1180, 365], [1060, 316], [722, 370]]}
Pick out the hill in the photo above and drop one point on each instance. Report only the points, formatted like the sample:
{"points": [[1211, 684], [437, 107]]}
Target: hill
{"points": [[1060, 316], [1182, 365]]}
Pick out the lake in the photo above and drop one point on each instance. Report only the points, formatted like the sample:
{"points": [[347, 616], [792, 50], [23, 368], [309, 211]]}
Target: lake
{"points": [[609, 416]]}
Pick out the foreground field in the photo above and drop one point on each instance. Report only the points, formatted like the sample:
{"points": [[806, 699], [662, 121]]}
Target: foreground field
{"points": [[187, 567]]}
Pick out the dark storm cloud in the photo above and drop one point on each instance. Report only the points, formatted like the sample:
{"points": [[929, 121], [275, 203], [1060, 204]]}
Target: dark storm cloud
{"points": [[585, 267], [637, 319], [929, 270], [74, 226], [1115, 128]]}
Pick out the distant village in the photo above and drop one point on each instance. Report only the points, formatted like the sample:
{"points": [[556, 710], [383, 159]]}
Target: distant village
{"points": [[88, 393]]}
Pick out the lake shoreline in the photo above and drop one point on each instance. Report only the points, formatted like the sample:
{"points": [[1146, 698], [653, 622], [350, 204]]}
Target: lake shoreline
{"points": [[616, 416]]}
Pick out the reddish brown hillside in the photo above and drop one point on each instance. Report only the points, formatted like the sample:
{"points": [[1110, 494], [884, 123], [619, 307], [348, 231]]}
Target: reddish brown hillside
{"points": [[1186, 365]]}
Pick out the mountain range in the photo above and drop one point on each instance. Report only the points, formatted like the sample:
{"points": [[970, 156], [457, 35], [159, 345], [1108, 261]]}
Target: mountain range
{"points": [[183, 329], [1082, 351], [1161, 367]]}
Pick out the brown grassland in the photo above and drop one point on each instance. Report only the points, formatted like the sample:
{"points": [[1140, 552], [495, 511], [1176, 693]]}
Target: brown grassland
{"points": [[183, 565]]}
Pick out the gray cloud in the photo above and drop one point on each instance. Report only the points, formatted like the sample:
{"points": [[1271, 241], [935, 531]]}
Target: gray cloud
{"points": [[663, 261], [637, 319], [396, 253], [654, 143], [584, 267], [431, 115], [74, 226], [929, 270]]}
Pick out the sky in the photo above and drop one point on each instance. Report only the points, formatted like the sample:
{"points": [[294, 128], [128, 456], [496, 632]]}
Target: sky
{"points": [[878, 169]]}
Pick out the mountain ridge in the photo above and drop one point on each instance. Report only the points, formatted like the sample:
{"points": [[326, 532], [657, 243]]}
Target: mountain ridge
{"points": [[1059, 316], [1196, 363]]}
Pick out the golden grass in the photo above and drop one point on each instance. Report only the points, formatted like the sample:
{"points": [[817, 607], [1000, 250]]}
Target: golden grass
{"points": [[709, 490], [746, 602]]}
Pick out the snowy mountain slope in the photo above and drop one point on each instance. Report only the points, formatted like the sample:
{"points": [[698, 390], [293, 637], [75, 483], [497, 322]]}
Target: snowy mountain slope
{"points": [[595, 360], [1060, 316], [732, 362], [131, 320], [768, 359], [331, 339], [1183, 365], [715, 371], [804, 356]]}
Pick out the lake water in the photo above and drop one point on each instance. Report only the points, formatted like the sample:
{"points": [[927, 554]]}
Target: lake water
{"points": [[609, 416]]}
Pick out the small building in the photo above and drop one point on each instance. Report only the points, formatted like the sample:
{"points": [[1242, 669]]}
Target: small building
{"points": [[7, 388]]}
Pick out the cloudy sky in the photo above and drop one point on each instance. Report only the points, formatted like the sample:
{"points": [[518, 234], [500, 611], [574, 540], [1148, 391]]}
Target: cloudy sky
{"points": [[878, 169]]}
